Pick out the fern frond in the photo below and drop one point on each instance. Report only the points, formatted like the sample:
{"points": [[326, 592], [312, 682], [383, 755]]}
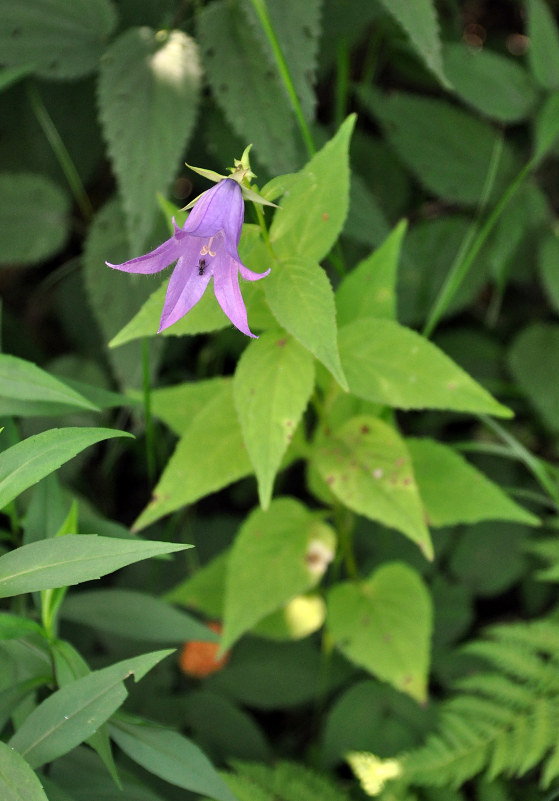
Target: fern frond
{"points": [[501, 689]]}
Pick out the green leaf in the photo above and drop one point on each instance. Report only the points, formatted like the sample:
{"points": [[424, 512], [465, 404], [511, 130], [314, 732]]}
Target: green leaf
{"points": [[313, 210], [24, 381], [287, 545], [115, 296], [60, 39], [135, 615], [448, 150], [297, 28], [72, 714], [273, 382], [18, 782], [419, 20], [493, 84], [236, 68], [384, 625], [64, 561], [387, 363], [210, 455], [300, 296], [548, 257], [178, 405], [453, 491], [172, 757], [12, 627], [34, 217], [29, 461], [12, 697], [11, 75], [203, 590], [534, 362], [369, 290], [543, 53], [148, 95], [365, 463], [546, 127]]}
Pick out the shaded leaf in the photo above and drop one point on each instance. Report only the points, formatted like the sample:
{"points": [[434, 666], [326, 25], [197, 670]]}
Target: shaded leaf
{"points": [[21, 380], [543, 53], [534, 361], [18, 782]]}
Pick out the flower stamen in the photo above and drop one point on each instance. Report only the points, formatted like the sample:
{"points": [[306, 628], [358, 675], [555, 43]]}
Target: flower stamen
{"points": [[206, 249]]}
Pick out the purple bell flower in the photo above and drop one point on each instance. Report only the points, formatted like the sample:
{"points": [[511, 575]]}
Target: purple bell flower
{"points": [[206, 247]]}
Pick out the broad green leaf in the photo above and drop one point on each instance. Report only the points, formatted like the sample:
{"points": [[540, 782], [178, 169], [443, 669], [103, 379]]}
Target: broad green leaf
{"points": [[24, 381], [287, 545], [63, 561], [369, 290], [366, 464], [366, 221], [546, 126], [72, 714], [11, 75], [548, 258], [148, 95], [384, 625], [543, 53], [493, 84], [12, 697], [300, 296], [236, 68], [273, 382], [210, 455], [29, 461], [115, 296], [448, 150], [34, 216], [135, 615], [419, 20], [387, 363], [12, 627], [297, 28], [534, 362], [313, 210], [18, 782], [60, 39], [172, 757], [177, 406], [204, 590], [453, 491]]}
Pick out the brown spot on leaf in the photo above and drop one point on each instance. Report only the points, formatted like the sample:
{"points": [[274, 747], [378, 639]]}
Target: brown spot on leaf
{"points": [[365, 429], [325, 216], [281, 342]]}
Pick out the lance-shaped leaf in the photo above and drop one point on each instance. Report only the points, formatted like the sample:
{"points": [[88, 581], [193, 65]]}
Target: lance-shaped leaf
{"points": [[18, 781], [27, 462], [72, 714], [367, 466], [384, 624], [273, 383]]}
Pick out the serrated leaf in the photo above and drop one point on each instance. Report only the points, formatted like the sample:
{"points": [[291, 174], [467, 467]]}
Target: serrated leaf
{"points": [[369, 290], [493, 84], [18, 782], [210, 455], [60, 39], [148, 94], [34, 217], [177, 406], [135, 615], [172, 757], [543, 53], [448, 150], [235, 66], [419, 20], [453, 491], [313, 210], [300, 296], [24, 381], [384, 624], [27, 462], [366, 464], [72, 714], [387, 363], [287, 545], [297, 28], [63, 561], [273, 382], [115, 296], [534, 362]]}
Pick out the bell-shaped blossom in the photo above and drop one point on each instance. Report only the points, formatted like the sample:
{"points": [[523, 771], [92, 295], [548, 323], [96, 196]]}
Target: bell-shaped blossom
{"points": [[205, 247]]}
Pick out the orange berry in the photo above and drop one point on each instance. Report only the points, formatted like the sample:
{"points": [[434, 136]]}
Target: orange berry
{"points": [[199, 659]]}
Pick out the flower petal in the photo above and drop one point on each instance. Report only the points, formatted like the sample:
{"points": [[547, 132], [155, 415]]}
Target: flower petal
{"points": [[227, 292], [186, 287], [249, 275], [152, 262], [221, 208]]}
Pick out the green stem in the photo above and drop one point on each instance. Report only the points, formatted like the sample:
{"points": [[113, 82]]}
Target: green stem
{"points": [[64, 159], [475, 239], [262, 14], [150, 453]]}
